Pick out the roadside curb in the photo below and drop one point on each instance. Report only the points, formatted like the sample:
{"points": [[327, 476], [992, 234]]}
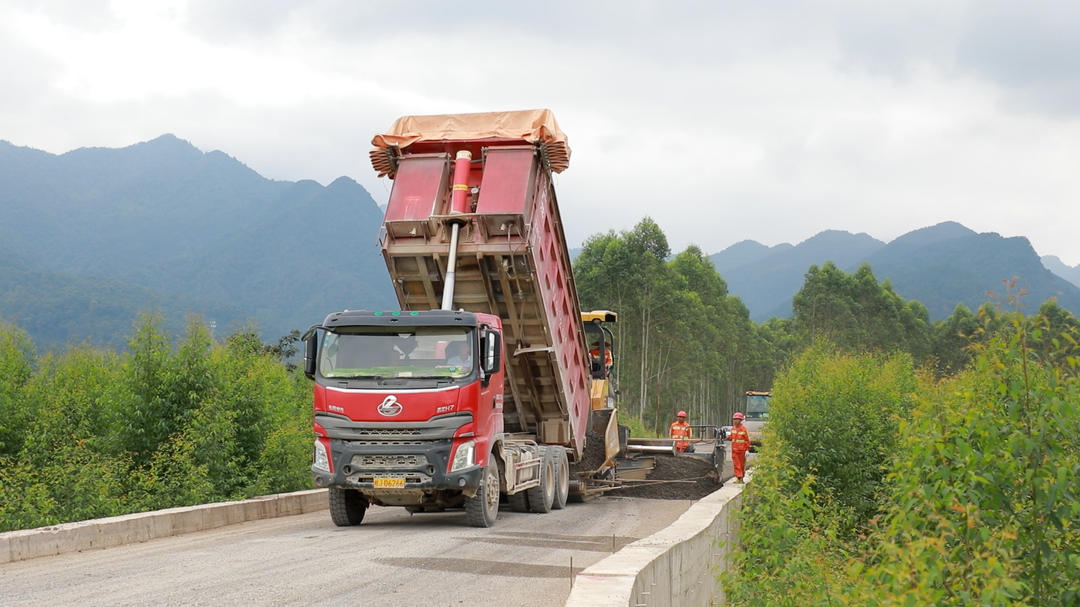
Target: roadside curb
{"points": [[140, 527], [677, 565]]}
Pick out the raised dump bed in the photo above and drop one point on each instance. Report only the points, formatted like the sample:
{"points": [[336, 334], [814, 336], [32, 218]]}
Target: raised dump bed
{"points": [[511, 255]]}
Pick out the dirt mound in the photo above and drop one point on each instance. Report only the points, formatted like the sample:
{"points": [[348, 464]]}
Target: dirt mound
{"points": [[696, 478]]}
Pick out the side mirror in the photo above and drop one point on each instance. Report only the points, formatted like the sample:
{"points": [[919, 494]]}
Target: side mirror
{"points": [[311, 352], [491, 354]]}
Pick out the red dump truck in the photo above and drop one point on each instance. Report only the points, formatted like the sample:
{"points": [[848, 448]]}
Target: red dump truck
{"points": [[478, 388]]}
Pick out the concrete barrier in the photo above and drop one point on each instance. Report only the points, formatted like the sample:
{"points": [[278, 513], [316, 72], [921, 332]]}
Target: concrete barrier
{"points": [[675, 567], [143, 526]]}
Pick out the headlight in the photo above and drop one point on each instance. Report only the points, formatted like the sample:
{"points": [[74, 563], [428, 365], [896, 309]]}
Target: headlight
{"points": [[463, 457], [319, 459]]}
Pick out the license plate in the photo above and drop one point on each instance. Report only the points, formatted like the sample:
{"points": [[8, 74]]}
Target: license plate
{"points": [[393, 482]]}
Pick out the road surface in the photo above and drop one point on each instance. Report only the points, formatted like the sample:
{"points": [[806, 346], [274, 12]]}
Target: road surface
{"points": [[424, 560]]}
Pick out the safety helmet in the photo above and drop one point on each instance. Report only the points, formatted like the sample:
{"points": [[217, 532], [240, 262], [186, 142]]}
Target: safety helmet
{"points": [[681, 414], [738, 415]]}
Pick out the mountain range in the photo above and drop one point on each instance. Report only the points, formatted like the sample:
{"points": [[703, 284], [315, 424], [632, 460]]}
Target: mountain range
{"points": [[940, 266], [91, 238]]}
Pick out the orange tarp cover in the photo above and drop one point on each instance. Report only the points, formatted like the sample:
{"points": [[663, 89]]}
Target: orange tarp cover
{"points": [[529, 125]]}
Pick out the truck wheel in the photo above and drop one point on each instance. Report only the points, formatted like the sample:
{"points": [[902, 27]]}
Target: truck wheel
{"points": [[542, 496], [562, 480], [347, 506], [482, 509]]}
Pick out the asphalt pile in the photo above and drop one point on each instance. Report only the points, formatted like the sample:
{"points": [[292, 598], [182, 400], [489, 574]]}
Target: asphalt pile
{"points": [[675, 478], [593, 455]]}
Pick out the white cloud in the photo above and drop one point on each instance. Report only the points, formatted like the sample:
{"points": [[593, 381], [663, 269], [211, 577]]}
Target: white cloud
{"points": [[723, 121]]}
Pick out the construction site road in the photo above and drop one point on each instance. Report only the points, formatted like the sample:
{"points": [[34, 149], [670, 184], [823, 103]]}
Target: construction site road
{"points": [[393, 558]]}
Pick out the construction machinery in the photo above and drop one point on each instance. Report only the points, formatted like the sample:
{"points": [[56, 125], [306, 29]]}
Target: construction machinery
{"points": [[474, 245], [484, 387], [757, 414], [706, 443]]}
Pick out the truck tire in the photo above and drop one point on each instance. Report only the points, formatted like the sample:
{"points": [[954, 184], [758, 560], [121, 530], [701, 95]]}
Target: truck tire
{"points": [[347, 506], [542, 496], [482, 509], [562, 480]]}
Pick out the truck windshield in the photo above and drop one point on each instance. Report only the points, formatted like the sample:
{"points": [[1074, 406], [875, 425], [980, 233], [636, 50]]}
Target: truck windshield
{"points": [[414, 352], [757, 406]]}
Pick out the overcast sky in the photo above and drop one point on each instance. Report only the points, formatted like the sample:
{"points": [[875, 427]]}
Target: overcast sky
{"points": [[723, 121]]}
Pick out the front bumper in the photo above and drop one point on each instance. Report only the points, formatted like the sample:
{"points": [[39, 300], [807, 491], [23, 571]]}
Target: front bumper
{"points": [[411, 456], [422, 467]]}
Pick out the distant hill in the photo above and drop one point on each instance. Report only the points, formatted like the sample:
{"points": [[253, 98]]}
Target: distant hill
{"points": [[948, 264], [766, 278], [107, 212], [1055, 265], [940, 266], [91, 238], [744, 253], [163, 225], [312, 253]]}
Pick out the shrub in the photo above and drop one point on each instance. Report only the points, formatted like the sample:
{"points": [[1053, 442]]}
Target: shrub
{"points": [[832, 429], [16, 366], [985, 503], [96, 434], [788, 546], [836, 415]]}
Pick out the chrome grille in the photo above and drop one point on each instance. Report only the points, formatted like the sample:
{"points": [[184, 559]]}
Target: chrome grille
{"points": [[389, 432], [381, 443], [388, 461]]}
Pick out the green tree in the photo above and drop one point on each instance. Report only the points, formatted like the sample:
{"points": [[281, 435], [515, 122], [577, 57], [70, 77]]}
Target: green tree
{"points": [[952, 339], [820, 475], [16, 367], [683, 341], [155, 427], [150, 416], [855, 312], [836, 415], [66, 468], [984, 504]]}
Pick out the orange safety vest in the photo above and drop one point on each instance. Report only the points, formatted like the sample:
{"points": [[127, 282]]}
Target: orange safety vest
{"points": [[595, 353], [680, 430], [740, 439]]}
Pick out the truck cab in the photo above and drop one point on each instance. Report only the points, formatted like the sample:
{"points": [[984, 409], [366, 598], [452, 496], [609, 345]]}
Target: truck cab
{"points": [[395, 403]]}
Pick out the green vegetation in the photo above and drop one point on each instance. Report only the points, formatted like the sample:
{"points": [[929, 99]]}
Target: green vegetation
{"points": [[907, 462], [682, 341], [91, 433], [884, 485]]}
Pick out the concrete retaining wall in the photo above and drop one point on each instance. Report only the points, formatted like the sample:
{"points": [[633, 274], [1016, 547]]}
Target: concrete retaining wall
{"points": [[116, 530], [674, 567]]}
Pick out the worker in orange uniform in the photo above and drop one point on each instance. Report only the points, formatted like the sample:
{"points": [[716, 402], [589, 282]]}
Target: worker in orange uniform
{"points": [[740, 444], [680, 431], [595, 352]]}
